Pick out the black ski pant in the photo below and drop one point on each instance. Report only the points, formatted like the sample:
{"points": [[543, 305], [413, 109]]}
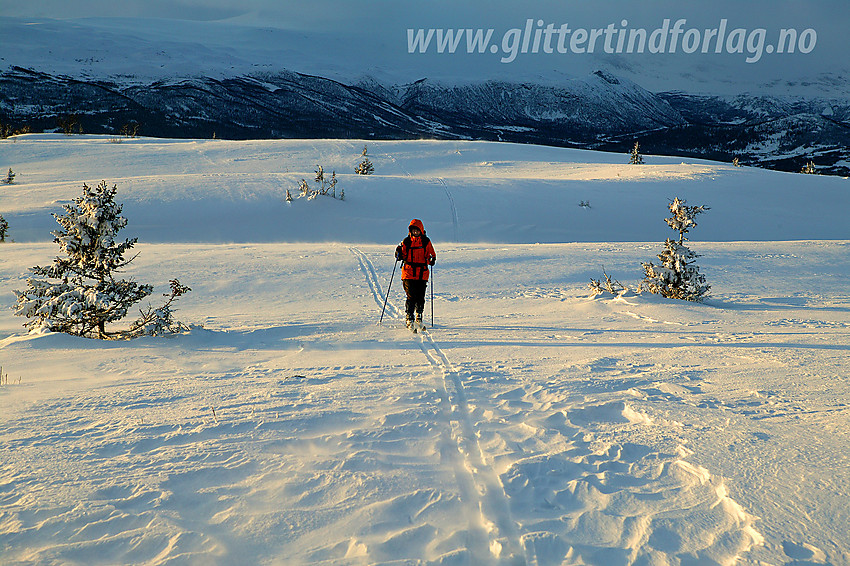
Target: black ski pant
{"points": [[415, 291]]}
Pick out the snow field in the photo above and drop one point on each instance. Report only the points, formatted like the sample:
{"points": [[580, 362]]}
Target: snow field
{"points": [[531, 425], [584, 503], [231, 191]]}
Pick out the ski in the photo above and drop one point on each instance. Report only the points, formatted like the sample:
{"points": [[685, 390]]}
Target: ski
{"points": [[416, 327]]}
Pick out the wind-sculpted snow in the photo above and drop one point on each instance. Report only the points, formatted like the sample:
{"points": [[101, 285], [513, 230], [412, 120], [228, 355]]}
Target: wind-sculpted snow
{"points": [[588, 501], [530, 424], [603, 502]]}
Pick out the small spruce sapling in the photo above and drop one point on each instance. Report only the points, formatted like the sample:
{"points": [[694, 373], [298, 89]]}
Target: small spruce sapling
{"points": [[613, 286], [160, 321], [635, 158], [10, 177], [304, 188], [677, 277], [4, 229], [325, 186], [365, 167]]}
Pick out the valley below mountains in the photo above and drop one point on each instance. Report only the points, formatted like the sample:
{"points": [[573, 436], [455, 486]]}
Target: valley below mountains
{"points": [[599, 111]]}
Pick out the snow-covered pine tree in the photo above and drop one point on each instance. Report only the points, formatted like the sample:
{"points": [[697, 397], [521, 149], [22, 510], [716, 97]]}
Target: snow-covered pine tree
{"points": [[10, 177], [683, 217], [635, 158], [365, 167], [79, 293], [677, 277], [4, 229]]}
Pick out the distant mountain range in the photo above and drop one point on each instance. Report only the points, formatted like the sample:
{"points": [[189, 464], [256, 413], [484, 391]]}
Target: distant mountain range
{"points": [[599, 111]]}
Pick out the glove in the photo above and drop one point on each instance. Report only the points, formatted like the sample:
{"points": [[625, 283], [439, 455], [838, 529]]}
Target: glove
{"points": [[398, 256], [432, 260]]}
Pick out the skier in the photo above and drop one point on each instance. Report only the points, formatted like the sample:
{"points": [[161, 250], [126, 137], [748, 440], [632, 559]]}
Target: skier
{"points": [[417, 253]]}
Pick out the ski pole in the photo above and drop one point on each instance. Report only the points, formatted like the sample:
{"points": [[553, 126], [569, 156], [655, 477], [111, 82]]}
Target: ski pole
{"points": [[432, 296], [388, 292]]}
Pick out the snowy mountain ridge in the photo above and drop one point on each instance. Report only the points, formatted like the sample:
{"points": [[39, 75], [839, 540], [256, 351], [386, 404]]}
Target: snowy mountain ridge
{"points": [[196, 80], [144, 50], [592, 113]]}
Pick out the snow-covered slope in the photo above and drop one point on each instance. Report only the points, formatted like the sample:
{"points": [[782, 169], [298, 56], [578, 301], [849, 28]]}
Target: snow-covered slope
{"points": [[531, 424], [234, 191]]}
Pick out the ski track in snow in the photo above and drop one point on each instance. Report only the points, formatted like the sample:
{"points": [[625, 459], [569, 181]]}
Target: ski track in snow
{"points": [[493, 535], [503, 538], [445, 187], [604, 502], [453, 208]]}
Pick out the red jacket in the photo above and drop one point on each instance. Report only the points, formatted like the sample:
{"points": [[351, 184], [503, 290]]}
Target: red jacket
{"points": [[417, 254]]}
